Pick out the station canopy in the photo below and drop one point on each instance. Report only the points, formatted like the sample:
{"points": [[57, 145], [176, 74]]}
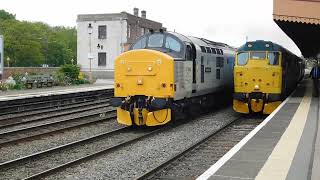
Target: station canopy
{"points": [[300, 20]]}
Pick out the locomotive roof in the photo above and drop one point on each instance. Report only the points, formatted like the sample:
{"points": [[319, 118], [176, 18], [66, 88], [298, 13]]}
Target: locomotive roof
{"points": [[196, 40], [260, 45], [199, 41]]}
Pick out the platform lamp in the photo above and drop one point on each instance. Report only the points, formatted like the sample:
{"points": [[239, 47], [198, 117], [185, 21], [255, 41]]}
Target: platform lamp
{"points": [[90, 57], [8, 60]]}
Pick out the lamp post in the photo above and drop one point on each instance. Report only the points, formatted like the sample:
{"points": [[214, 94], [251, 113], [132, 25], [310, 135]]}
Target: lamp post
{"points": [[46, 42], [90, 51], [8, 60]]}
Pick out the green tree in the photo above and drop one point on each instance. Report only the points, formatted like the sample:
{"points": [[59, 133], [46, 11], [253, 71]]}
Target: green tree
{"points": [[37, 43], [6, 16]]}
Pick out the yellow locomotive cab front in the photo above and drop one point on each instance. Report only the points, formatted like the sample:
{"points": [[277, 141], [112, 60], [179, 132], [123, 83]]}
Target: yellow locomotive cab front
{"points": [[258, 82], [144, 86]]}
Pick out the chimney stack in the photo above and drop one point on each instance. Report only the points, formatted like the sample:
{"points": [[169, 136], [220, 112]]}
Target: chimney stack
{"points": [[144, 14], [136, 12]]}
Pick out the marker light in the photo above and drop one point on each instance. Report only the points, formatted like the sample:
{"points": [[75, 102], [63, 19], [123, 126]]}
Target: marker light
{"points": [[139, 82]]}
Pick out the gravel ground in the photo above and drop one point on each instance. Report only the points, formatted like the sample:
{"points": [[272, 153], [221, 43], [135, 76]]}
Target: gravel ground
{"points": [[133, 160], [26, 148], [56, 119], [193, 163]]}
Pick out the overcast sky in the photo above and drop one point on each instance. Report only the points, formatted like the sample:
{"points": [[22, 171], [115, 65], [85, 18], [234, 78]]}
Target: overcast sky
{"points": [[228, 21]]}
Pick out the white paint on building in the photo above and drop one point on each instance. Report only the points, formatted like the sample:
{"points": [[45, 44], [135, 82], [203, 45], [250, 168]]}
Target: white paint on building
{"points": [[121, 30], [112, 45]]}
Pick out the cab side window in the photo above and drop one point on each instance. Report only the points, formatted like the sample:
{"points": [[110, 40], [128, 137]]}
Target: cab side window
{"points": [[273, 58], [173, 44]]}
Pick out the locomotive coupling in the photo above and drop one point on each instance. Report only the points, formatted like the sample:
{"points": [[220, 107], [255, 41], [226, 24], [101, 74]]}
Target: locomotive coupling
{"points": [[116, 102]]}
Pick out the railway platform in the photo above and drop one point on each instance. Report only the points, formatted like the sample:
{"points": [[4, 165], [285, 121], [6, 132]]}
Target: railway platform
{"points": [[286, 145], [56, 90]]}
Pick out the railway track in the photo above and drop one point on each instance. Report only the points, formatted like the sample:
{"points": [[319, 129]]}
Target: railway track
{"points": [[47, 162], [52, 113], [44, 163], [51, 161], [51, 109], [194, 160], [8, 108], [104, 113]]}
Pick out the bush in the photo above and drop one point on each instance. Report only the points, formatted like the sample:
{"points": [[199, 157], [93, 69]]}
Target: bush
{"points": [[18, 86], [69, 74], [3, 86], [81, 81], [59, 78], [71, 71]]}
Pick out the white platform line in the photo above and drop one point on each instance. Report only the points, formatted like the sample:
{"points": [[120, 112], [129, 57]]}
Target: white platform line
{"points": [[215, 167], [279, 162]]}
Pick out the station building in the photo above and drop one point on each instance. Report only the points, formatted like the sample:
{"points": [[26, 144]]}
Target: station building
{"points": [[300, 20], [102, 37]]}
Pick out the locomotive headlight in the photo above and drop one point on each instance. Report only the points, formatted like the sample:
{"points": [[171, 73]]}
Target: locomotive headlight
{"points": [[256, 87], [149, 68]]}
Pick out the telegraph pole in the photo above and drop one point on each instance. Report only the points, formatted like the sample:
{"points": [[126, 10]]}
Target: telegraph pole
{"points": [[1, 57], [90, 51]]}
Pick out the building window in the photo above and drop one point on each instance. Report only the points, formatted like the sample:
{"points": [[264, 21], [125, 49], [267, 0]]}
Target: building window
{"points": [[129, 31], [102, 59], [102, 32], [142, 31]]}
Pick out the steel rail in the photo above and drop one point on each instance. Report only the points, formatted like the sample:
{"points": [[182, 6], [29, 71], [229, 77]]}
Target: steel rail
{"points": [[56, 100], [73, 110], [50, 109], [4, 142], [90, 156], [56, 149]]}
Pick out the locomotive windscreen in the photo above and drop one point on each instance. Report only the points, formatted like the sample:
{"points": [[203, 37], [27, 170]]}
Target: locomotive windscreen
{"points": [[158, 40]]}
